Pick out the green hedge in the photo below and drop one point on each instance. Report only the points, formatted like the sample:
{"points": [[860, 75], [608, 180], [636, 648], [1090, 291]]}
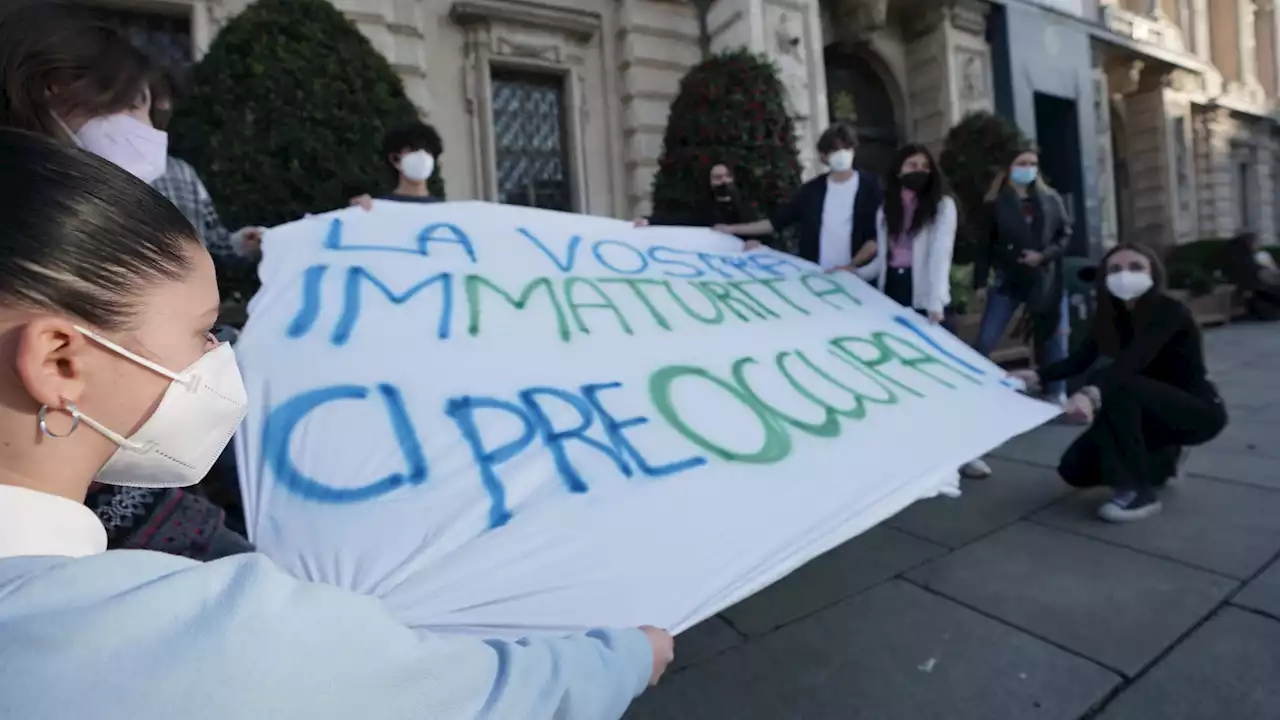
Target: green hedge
{"points": [[287, 112]]}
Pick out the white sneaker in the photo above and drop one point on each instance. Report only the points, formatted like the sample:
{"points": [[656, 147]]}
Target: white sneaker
{"points": [[975, 470]]}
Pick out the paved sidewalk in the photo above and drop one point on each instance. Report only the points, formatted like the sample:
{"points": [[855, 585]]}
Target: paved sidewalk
{"points": [[1014, 602]]}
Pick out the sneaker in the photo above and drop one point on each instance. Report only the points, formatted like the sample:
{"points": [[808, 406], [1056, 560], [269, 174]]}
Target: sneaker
{"points": [[1130, 506], [975, 470]]}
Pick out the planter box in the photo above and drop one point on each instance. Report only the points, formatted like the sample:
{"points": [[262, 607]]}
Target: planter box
{"points": [[1215, 308], [1010, 350]]}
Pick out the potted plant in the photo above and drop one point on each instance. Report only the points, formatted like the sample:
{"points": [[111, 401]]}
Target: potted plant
{"points": [[1195, 278]]}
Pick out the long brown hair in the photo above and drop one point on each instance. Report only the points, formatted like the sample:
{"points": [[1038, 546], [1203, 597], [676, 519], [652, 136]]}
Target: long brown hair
{"points": [[929, 197], [55, 59], [1106, 320]]}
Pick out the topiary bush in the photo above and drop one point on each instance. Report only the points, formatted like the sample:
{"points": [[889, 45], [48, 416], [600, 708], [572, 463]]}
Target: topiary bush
{"points": [[731, 109], [976, 150], [286, 114]]}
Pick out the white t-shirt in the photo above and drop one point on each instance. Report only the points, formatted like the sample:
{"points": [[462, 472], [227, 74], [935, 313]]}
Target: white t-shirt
{"points": [[835, 240]]}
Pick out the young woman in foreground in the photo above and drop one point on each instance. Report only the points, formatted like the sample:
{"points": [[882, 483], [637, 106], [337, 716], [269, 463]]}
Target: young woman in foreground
{"points": [[108, 371], [83, 83], [1152, 400]]}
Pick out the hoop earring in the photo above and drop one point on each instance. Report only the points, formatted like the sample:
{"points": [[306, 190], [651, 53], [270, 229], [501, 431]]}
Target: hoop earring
{"points": [[44, 421]]}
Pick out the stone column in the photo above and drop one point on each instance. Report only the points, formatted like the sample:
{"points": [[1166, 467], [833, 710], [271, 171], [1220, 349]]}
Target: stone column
{"points": [[1200, 30], [1268, 184], [1214, 177], [1248, 40], [1268, 63]]}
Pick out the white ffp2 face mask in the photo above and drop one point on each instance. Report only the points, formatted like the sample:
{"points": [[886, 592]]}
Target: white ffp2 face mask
{"points": [[189, 429], [127, 142], [841, 160], [1129, 285], [417, 165]]}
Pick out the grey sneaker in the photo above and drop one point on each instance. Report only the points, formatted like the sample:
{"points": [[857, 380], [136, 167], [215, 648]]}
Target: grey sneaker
{"points": [[1130, 506], [975, 470]]}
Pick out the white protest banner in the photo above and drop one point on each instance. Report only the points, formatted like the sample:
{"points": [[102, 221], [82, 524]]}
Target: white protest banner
{"points": [[511, 421]]}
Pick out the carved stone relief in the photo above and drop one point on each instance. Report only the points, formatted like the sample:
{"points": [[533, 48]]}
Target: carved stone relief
{"points": [[788, 47], [973, 80]]}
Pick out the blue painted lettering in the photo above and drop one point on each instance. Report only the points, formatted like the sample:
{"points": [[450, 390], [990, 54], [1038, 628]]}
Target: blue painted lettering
{"points": [[279, 426], [352, 301]]}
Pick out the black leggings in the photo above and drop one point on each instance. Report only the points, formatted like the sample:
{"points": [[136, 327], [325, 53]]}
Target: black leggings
{"points": [[1138, 433]]}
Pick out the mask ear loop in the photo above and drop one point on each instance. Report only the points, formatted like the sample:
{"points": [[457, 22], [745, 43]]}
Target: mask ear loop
{"points": [[76, 418], [67, 129], [44, 421]]}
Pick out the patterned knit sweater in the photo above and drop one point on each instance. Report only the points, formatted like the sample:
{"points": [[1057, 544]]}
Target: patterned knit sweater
{"points": [[167, 520]]}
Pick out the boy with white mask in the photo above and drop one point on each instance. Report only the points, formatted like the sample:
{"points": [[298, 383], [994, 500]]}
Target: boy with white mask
{"points": [[836, 211], [411, 152]]}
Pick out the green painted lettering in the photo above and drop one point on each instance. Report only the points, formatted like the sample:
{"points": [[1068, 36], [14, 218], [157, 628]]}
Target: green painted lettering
{"points": [[602, 302], [715, 319], [823, 286], [476, 282], [637, 286], [777, 442]]}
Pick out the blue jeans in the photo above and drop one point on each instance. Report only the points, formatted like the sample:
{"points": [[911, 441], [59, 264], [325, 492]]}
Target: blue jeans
{"points": [[995, 321]]}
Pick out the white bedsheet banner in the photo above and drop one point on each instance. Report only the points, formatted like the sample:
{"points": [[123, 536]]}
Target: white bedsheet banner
{"points": [[510, 421]]}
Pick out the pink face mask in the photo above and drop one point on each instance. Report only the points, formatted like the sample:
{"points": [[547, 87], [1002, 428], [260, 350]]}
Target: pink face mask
{"points": [[127, 142]]}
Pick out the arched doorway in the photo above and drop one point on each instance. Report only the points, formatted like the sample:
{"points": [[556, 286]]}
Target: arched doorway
{"points": [[857, 95]]}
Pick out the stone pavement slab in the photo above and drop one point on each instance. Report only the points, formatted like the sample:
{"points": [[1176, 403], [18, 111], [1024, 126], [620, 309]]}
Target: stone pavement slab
{"points": [[1247, 388], [704, 641], [1113, 605], [894, 653], [1013, 491], [1248, 434], [1042, 446], [1249, 468], [870, 558], [1227, 528], [1263, 593], [1229, 669]]}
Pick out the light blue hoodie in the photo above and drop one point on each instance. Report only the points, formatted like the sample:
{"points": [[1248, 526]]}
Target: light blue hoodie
{"points": [[135, 635]]}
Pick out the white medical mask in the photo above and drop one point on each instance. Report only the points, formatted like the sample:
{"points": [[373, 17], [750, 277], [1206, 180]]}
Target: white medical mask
{"points": [[1129, 285], [189, 429], [418, 165], [127, 142], [841, 160]]}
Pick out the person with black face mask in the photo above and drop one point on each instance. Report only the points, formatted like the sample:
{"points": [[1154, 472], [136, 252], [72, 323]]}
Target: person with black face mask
{"points": [[915, 237], [723, 205]]}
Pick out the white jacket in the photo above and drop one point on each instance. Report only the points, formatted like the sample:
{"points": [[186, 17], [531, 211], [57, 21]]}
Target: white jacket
{"points": [[930, 258]]}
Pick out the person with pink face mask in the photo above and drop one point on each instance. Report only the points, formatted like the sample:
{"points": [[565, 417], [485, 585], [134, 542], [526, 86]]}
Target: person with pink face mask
{"points": [[83, 83]]}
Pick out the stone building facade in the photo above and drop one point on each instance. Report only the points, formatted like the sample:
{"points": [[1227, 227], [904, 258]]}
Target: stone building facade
{"points": [[1192, 88], [563, 103], [1156, 115]]}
